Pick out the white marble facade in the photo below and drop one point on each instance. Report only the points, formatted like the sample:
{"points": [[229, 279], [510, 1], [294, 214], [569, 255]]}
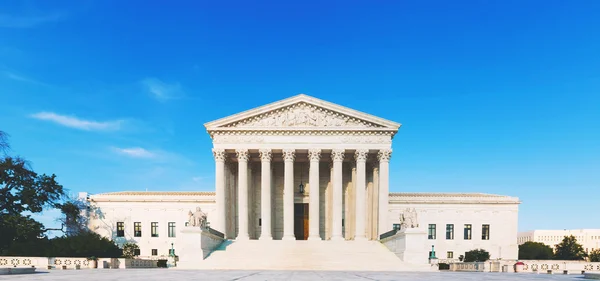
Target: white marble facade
{"points": [[341, 158]]}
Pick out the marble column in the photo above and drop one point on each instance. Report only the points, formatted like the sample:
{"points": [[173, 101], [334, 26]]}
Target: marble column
{"points": [[243, 156], [220, 220], [313, 207], [338, 157], [288, 194], [361, 186], [265, 194], [384, 156]]}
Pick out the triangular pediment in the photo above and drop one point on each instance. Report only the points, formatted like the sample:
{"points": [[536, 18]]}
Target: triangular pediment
{"points": [[302, 112]]}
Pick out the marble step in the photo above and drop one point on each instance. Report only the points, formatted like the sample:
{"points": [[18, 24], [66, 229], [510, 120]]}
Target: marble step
{"points": [[306, 255]]}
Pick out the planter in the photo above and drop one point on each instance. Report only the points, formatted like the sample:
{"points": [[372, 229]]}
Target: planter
{"points": [[519, 267], [93, 264]]}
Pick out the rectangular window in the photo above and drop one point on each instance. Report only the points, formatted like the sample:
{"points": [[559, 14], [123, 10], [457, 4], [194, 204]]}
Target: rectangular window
{"points": [[431, 234], [485, 232], [137, 229], [396, 226], [468, 231], [120, 229], [136, 252], [449, 232], [171, 229], [450, 255], [155, 252], [154, 229]]}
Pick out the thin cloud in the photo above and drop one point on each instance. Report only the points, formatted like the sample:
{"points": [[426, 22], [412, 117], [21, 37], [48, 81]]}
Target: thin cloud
{"points": [[10, 21], [20, 78], [81, 124], [162, 91], [134, 152]]}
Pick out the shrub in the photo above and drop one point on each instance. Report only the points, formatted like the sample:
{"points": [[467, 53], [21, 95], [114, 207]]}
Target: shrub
{"points": [[477, 255]]}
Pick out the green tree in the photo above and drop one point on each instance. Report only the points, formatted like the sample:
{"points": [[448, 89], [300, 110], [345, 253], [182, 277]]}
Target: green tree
{"points": [[20, 234], [129, 250], [477, 255], [569, 249], [22, 189], [535, 251], [595, 255]]}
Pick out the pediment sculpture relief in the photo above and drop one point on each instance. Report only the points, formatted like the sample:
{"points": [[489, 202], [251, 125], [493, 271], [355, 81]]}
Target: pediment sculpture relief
{"points": [[302, 115]]}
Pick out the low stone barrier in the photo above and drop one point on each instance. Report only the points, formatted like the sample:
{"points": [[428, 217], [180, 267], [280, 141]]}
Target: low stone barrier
{"points": [[560, 267], [74, 262], [529, 266]]}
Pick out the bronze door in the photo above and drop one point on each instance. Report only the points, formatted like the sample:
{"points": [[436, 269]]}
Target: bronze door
{"points": [[301, 221]]}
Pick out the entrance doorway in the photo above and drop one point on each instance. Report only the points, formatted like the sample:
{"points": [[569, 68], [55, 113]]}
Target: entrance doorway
{"points": [[301, 221]]}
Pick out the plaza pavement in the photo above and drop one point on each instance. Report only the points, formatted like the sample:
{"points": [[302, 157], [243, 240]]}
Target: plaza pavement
{"points": [[177, 275]]}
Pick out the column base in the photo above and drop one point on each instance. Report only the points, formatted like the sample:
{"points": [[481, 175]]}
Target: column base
{"points": [[262, 237], [314, 238], [242, 238], [289, 238], [360, 238], [337, 238]]}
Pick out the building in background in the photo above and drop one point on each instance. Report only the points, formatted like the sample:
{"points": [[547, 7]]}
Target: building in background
{"points": [[588, 238]]}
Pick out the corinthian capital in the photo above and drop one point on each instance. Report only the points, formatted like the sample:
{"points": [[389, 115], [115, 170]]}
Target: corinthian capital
{"points": [[338, 154], [219, 154], [289, 155], [314, 154], [242, 154], [361, 155], [384, 155], [265, 155]]}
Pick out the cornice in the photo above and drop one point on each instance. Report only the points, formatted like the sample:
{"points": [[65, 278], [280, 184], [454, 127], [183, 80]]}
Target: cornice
{"points": [[452, 198]]}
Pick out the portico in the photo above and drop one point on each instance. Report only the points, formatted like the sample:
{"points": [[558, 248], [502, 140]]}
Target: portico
{"points": [[301, 150]]}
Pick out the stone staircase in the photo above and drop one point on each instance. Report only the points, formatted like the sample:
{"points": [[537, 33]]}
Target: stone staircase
{"points": [[306, 255]]}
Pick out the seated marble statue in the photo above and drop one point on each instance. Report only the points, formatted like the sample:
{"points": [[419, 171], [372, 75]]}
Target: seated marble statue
{"points": [[197, 218]]}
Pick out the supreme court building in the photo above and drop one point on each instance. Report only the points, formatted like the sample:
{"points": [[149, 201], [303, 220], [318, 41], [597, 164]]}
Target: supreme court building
{"points": [[307, 169]]}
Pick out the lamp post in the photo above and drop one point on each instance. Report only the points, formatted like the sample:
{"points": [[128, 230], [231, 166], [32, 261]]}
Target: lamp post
{"points": [[432, 256]]}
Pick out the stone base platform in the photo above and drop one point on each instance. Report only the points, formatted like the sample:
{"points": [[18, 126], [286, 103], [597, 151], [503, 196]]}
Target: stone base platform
{"points": [[16, 270], [306, 255]]}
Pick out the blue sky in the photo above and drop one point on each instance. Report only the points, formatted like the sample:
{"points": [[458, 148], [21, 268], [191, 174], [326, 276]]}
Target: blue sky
{"points": [[494, 96]]}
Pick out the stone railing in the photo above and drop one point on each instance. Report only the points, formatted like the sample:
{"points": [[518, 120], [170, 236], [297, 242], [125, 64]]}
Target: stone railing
{"points": [[74, 262], [469, 266], [560, 266]]}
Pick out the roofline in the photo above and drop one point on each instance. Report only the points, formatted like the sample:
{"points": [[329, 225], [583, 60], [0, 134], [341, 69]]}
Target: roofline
{"points": [[301, 98]]}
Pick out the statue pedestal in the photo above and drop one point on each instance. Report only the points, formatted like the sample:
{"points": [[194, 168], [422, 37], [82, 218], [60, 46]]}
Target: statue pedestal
{"points": [[409, 245], [194, 244]]}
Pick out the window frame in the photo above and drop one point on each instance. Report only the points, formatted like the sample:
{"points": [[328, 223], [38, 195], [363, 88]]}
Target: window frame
{"points": [[154, 252], [137, 229], [485, 232], [431, 231], [449, 231], [171, 229], [468, 232], [154, 229], [120, 229]]}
